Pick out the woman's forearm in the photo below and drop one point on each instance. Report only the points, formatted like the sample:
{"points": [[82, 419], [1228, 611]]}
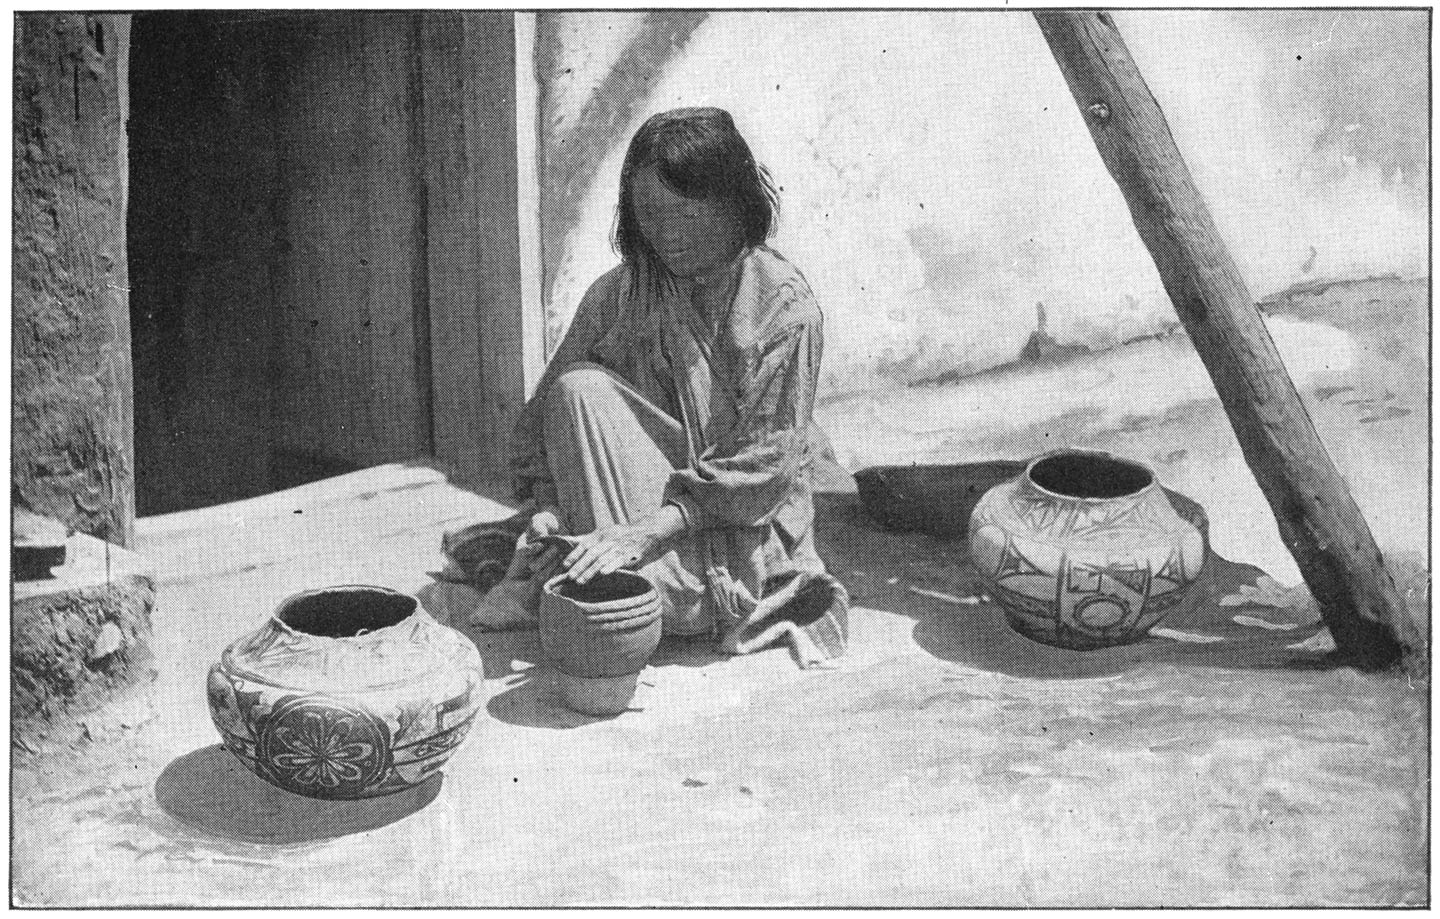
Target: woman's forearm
{"points": [[665, 524]]}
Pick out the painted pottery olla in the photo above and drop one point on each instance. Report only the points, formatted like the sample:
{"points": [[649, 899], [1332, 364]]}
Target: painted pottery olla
{"points": [[346, 692], [599, 635], [1085, 550]]}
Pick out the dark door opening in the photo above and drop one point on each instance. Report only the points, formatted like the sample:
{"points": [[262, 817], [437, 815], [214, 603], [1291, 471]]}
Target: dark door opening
{"points": [[276, 251]]}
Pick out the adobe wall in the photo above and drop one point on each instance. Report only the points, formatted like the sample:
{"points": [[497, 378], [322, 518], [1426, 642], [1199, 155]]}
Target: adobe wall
{"points": [[938, 181], [71, 445]]}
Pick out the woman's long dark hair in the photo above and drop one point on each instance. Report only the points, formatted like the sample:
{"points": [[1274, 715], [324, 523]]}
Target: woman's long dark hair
{"points": [[698, 153]]}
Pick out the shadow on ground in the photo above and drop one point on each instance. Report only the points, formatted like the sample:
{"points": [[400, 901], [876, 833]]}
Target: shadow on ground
{"points": [[923, 576], [868, 558], [210, 790], [535, 699]]}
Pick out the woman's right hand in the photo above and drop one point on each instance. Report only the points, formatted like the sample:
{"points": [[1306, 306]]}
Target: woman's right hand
{"points": [[541, 559]]}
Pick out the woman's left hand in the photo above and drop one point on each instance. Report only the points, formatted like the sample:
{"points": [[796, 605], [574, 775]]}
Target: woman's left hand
{"points": [[608, 550]]}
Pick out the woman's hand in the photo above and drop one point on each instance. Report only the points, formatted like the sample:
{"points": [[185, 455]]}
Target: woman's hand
{"points": [[623, 544], [541, 560]]}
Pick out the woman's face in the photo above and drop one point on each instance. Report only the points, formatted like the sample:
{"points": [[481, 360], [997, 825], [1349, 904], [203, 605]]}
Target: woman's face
{"points": [[694, 237]]}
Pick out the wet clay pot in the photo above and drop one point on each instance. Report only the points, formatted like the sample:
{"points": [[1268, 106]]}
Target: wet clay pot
{"points": [[599, 636], [346, 692], [1084, 550]]}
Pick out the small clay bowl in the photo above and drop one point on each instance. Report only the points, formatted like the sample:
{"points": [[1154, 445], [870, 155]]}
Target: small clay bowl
{"points": [[600, 635]]}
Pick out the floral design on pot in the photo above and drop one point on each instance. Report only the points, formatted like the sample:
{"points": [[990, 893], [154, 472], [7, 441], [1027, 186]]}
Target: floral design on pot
{"points": [[600, 635], [311, 743], [1084, 550], [346, 692]]}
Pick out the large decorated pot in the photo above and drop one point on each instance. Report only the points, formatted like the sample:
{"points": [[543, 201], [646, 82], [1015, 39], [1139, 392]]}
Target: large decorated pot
{"points": [[347, 692], [599, 635], [1084, 550]]}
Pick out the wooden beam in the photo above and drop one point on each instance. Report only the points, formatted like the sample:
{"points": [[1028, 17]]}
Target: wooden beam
{"points": [[1318, 519]]}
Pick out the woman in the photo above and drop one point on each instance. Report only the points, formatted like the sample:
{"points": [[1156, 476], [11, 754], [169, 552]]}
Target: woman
{"points": [[671, 428]]}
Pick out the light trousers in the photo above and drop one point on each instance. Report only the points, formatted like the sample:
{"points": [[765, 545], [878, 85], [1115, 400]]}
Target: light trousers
{"points": [[611, 452]]}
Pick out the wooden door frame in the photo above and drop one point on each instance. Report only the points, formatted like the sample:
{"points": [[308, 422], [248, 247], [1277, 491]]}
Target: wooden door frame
{"points": [[486, 320]]}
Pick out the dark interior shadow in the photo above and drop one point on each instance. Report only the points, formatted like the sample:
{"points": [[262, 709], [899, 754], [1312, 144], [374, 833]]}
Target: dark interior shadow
{"points": [[865, 556], [210, 790], [535, 700]]}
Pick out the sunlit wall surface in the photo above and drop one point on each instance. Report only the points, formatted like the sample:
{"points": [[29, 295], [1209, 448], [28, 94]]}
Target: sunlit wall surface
{"points": [[939, 183]]}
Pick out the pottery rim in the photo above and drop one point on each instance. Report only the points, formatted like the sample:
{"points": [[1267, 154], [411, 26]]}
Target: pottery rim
{"points": [[1091, 454], [229, 663], [383, 630], [608, 610]]}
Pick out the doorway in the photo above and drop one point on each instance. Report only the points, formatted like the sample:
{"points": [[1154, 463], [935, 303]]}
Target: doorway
{"points": [[277, 249]]}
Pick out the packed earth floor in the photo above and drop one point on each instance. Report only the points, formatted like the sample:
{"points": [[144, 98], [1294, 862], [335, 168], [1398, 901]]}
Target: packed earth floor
{"points": [[946, 761]]}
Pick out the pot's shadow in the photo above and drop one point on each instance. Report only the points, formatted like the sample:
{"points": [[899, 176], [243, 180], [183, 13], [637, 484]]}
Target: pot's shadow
{"points": [[535, 699], [866, 556], [209, 789], [979, 636]]}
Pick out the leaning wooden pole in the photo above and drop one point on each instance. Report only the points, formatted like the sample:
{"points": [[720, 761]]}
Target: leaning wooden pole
{"points": [[1318, 519]]}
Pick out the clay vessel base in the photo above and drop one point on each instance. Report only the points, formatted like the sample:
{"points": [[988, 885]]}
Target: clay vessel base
{"points": [[606, 695]]}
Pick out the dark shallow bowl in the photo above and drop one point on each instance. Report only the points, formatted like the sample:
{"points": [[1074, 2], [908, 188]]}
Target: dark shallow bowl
{"points": [[933, 499]]}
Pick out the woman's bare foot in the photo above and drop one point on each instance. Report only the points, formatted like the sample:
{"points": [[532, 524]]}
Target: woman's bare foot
{"points": [[505, 607]]}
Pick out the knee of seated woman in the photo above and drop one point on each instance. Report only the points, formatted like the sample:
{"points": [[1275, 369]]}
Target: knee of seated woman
{"points": [[579, 383]]}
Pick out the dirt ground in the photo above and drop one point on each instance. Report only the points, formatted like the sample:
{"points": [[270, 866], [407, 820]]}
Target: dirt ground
{"points": [[945, 762]]}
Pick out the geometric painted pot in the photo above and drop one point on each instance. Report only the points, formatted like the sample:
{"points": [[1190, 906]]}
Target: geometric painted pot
{"points": [[1084, 550], [346, 692], [600, 635]]}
